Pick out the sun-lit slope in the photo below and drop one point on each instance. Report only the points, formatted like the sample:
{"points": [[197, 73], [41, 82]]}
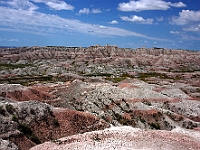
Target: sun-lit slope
{"points": [[127, 138]]}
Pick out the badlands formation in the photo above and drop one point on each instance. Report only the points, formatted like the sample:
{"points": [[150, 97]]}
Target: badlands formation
{"points": [[99, 97]]}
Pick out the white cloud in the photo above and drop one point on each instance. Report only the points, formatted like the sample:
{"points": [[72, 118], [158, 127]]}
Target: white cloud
{"points": [[138, 19], [96, 11], [28, 5], [114, 22], [9, 40], [186, 16], [21, 4], [36, 22], [102, 27], [87, 11], [179, 4], [141, 5], [59, 5], [160, 19], [84, 11]]}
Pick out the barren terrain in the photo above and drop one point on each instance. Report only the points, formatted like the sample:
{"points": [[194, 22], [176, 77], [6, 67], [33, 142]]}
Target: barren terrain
{"points": [[60, 96]]}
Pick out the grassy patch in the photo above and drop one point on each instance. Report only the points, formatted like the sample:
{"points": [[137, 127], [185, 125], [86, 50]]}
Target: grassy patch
{"points": [[13, 66], [98, 74], [115, 79], [153, 74], [120, 78]]}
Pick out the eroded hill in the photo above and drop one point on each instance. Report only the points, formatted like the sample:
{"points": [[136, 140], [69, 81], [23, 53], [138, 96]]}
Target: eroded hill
{"points": [[52, 92]]}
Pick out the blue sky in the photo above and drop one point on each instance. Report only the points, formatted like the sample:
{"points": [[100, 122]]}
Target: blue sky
{"points": [[126, 23]]}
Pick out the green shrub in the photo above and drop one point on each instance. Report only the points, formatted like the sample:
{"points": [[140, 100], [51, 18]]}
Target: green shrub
{"points": [[142, 120], [10, 108], [14, 118], [155, 126], [26, 130]]}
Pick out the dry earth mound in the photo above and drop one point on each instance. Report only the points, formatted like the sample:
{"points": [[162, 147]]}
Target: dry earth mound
{"points": [[127, 138]]}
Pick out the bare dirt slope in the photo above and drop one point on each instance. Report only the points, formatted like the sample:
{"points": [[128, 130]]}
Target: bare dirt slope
{"points": [[127, 138]]}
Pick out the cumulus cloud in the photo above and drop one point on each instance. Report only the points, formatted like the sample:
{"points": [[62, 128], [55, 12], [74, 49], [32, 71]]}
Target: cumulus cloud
{"points": [[84, 11], [114, 22], [138, 19], [87, 11], [141, 5], [59, 5], [186, 16], [96, 11], [31, 21]]}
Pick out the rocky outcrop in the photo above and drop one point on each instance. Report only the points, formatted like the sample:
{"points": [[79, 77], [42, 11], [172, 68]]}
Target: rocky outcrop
{"points": [[130, 102], [7, 145], [31, 122], [64, 59]]}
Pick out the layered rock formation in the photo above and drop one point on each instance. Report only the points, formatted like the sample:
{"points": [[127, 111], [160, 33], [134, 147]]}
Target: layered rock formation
{"points": [[29, 123], [51, 92]]}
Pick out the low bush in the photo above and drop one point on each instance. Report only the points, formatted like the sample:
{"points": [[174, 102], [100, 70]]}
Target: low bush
{"points": [[10, 109], [26, 130]]}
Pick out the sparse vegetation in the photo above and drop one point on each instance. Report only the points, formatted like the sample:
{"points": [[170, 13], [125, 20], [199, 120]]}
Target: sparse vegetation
{"points": [[146, 102], [98, 74], [26, 130], [10, 109], [155, 125], [142, 120], [14, 118], [14, 66]]}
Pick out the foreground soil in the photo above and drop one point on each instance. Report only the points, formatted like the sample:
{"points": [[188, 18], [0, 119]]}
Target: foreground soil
{"points": [[127, 138]]}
